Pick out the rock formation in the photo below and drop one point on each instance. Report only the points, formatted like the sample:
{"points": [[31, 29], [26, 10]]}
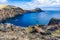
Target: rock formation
{"points": [[54, 21], [34, 10], [11, 32], [53, 24], [8, 11]]}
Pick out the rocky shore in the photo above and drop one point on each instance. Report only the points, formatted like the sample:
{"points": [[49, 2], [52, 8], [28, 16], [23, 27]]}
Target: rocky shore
{"points": [[38, 32], [8, 11]]}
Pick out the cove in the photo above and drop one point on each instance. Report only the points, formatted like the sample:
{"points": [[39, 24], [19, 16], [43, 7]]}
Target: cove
{"points": [[30, 19]]}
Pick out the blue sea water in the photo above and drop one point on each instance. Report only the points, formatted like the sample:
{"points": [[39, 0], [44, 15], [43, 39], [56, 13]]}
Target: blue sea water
{"points": [[34, 18]]}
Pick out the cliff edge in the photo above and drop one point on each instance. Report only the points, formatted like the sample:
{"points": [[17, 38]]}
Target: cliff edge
{"points": [[9, 11]]}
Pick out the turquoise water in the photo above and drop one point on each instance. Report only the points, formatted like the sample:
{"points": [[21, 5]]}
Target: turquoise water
{"points": [[34, 18]]}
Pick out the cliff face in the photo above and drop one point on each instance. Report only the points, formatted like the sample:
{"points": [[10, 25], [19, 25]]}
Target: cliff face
{"points": [[54, 21], [10, 11], [34, 10]]}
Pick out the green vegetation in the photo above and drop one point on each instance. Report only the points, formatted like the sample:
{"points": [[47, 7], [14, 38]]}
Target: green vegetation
{"points": [[29, 29]]}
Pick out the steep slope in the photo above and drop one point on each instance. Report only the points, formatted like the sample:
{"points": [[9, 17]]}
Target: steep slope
{"points": [[11, 32], [34, 10], [8, 11], [2, 6]]}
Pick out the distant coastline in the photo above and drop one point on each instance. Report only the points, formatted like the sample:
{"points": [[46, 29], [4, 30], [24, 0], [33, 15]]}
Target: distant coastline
{"points": [[8, 11]]}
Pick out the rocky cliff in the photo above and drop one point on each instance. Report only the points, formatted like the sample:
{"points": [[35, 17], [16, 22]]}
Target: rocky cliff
{"points": [[8, 11], [54, 21], [34, 10]]}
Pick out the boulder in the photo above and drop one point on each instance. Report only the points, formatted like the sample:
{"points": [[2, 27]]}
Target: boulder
{"points": [[54, 21], [52, 27], [20, 33], [39, 30], [9, 27]]}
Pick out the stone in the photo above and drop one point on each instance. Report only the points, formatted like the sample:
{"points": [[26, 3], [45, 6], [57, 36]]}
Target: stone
{"points": [[54, 21], [19, 33], [52, 27]]}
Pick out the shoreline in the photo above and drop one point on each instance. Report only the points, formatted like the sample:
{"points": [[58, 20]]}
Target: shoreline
{"points": [[12, 11]]}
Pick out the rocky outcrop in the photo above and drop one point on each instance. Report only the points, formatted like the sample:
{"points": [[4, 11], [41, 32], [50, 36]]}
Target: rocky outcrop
{"points": [[52, 27], [54, 21], [11, 32], [53, 24], [34, 10], [8, 11]]}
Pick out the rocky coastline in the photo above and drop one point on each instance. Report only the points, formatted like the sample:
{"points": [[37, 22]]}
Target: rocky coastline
{"points": [[9, 11], [38, 32], [34, 10]]}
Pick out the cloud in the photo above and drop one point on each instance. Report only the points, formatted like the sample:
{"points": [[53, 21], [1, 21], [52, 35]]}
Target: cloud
{"points": [[49, 2], [28, 5], [35, 3], [40, 3], [3, 1]]}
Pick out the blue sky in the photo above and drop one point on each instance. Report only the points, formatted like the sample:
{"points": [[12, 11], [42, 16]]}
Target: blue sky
{"points": [[30, 4]]}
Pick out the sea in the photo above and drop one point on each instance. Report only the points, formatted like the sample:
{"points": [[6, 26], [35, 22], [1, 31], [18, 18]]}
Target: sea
{"points": [[31, 19]]}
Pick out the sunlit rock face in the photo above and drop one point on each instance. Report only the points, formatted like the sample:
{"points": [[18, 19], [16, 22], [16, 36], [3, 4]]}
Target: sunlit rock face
{"points": [[8, 11], [2, 6]]}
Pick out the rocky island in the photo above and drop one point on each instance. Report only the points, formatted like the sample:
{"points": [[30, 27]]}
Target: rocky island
{"points": [[8, 11]]}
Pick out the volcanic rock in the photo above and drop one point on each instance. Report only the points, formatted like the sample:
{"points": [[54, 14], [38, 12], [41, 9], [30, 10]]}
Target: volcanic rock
{"points": [[9, 11], [54, 21], [11, 32], [34, 10]]}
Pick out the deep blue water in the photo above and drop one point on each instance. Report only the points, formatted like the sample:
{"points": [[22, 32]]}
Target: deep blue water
{"points": [[34, 18]]}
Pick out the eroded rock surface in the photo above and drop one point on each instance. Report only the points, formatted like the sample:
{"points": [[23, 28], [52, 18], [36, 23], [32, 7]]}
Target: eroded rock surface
{"points": [[34, 10], [9, 11], [54, 21], [11, 32]]}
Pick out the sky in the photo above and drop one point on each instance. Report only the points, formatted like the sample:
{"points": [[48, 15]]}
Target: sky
{"points": [[31, 4]]}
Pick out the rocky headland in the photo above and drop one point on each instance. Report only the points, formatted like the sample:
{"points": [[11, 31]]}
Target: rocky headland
{"points": [[8, 11], [34, 10], [38, 32], [54, 21]]}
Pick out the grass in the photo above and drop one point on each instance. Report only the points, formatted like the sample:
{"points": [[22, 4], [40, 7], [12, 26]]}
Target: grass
{"points": [[56, 33], [2, 6]]}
